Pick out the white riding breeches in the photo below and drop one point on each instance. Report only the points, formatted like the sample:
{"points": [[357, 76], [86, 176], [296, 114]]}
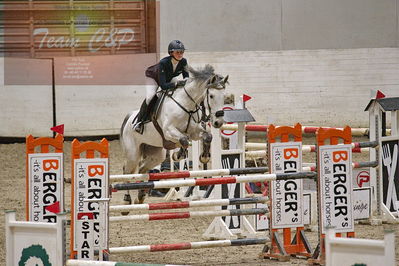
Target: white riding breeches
{"points": [[151, 88]]}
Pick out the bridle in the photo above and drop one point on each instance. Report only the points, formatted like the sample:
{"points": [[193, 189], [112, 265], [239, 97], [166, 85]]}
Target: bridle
{"points": [[194, 114], [219, 85]]}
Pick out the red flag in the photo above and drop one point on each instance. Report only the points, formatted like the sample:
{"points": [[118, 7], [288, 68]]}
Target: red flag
{"points": [[379, 95], [246, 97], [58, 129], [54, 208]]}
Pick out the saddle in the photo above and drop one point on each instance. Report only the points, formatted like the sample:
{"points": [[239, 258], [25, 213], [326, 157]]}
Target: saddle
{"points": [[152, 113]]}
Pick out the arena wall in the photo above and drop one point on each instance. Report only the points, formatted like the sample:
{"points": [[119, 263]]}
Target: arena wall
{"points": [[264, 25], [324, 87], [324, 59]]}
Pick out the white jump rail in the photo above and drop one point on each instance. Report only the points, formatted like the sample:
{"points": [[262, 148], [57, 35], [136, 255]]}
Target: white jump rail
{"points": [[356, 251]]}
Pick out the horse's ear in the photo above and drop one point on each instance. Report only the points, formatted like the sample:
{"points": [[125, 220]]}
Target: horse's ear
{"points": [[213, 79], [225, 80]]}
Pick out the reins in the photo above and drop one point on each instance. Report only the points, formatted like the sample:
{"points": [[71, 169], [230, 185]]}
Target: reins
{"points": [[198, 107], [201, 106]]}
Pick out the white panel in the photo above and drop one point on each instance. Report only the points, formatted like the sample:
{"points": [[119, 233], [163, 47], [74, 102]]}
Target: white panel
{"points": [[95, 110], [34, 243], [26, 99], [26, 110], [356, 251]]}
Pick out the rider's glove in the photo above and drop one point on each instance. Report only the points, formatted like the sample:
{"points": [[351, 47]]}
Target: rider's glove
{"points": [[181, 83]]}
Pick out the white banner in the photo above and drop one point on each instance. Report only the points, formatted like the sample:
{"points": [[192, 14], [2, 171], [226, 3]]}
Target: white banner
{"points": [[287, 195], [361, 203], [307, 208], [84, 241], [91, 182], [45, 186], [335, 187], [32, 243]]}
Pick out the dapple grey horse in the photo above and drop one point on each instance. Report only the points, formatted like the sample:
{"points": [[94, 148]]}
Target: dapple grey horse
{"points": [[182, 117]]}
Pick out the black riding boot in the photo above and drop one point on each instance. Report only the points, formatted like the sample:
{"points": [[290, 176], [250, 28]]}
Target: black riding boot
{"points": [[138, 121]]}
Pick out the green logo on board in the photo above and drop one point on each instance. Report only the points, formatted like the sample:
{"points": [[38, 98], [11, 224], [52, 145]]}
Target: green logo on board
{"points": [[34, 255]]}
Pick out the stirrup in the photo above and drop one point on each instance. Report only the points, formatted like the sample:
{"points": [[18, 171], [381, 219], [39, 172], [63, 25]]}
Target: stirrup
{"points": [[139, 127]]}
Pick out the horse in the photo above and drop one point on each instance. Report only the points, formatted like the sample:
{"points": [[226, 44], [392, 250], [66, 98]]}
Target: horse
{"points": [[182, 117]]}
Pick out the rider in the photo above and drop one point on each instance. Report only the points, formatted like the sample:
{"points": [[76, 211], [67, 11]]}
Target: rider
{"points": [[163, 75]]}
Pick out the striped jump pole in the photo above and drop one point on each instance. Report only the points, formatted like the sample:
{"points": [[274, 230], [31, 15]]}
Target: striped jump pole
{"points": [[355, 165], [256, 154], [371, 164], [358, 147], [188, 174], [189, 204], [359, 132], [213, 181], [355, 131], [186, 215], [189, 245]]}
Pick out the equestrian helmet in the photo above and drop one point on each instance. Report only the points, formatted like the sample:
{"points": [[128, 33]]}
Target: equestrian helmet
{"points": [[175, 45]]}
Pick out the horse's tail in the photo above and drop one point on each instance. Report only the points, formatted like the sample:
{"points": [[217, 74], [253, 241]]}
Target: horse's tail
{"points": [[124, 124]]}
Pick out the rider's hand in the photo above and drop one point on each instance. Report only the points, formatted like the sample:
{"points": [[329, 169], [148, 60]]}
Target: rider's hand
{"points": [[181, 83]]}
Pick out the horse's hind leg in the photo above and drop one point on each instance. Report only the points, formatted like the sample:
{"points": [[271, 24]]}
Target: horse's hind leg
{"points": [[140, 196], [130, 166], [153, 157]]}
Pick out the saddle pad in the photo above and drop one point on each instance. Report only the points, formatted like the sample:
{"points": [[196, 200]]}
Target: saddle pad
{"points": [[169, 145], [158, 104]]}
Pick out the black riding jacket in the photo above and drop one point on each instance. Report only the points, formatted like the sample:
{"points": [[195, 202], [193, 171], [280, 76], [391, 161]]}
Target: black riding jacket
{"points": [[163, 73]]}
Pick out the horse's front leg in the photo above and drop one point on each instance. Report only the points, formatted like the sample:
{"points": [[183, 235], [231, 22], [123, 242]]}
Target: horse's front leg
{"points": [[174, 134], [199, 133], [182, 152], [206, 145]]}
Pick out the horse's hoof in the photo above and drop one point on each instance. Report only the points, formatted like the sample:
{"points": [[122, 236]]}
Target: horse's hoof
{"points": [[175, 157], [204, 159], [138, 201], [127, 199]]}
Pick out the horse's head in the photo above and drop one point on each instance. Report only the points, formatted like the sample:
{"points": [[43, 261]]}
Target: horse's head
{"points": [[215, 99], [208, 88]]}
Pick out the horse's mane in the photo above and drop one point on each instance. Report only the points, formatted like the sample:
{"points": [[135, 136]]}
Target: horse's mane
{"points": [[201, 74]]}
